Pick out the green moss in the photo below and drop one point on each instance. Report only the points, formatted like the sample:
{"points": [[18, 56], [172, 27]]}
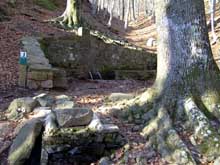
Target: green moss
{"points": [[47, 4], [106, 69], [44, 46]]}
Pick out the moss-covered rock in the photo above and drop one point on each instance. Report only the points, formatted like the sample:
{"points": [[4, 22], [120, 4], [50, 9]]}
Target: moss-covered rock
{"points": [[21, 106], [24, 142], [63, 102]]}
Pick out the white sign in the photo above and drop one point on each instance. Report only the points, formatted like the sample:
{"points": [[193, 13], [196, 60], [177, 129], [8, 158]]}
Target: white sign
{"points": [[23, 54]]}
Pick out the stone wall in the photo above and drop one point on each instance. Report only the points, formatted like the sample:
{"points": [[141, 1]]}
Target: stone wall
{"points": [[94, 52], [37, 72], [51, 60]]}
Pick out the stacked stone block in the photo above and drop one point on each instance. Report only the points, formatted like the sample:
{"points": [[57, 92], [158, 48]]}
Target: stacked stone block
{"points": [[38, 73]]}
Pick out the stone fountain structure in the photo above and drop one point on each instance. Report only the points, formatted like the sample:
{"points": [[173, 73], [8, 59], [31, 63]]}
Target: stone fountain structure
{"points": [[58, 131]]}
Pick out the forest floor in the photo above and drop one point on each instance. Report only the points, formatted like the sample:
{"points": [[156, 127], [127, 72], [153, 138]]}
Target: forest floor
{"points": [[27, 19]]}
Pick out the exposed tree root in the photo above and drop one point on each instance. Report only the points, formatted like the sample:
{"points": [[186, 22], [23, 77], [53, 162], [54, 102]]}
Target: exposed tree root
{"points": [[64, 21], [70, 17], [206, 137], [157, 118], [166, 140], [136, 110], [211, 101]]}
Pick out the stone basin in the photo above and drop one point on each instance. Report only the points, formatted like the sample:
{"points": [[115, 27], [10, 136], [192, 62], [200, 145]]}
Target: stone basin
{"points": [[81, 144]]}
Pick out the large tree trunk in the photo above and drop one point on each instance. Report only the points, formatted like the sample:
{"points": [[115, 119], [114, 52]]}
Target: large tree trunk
{"points": [[185, 62], [127, 14], [187, 76], [111, 8], [186, 89]]}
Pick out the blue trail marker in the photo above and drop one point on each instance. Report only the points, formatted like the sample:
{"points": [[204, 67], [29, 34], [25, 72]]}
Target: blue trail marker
{"points": [[23, 58]]}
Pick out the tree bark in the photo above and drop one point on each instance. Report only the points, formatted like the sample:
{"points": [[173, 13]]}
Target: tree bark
{"points": [[186, 89], [111, 8], [187, 75], [185, 59], [127, 14]]}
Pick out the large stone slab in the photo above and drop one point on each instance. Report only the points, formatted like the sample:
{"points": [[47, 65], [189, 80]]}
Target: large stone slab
{"points": [[35, 55], [23, 144], [45, 100], [40, 67], [74, 117], [63, 102]]}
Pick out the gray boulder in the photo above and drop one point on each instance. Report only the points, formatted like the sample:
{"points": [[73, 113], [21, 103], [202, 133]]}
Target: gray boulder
{"points": [[74, 117], [63, 102], [44, 100], [23, 144], [21, 106]]}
